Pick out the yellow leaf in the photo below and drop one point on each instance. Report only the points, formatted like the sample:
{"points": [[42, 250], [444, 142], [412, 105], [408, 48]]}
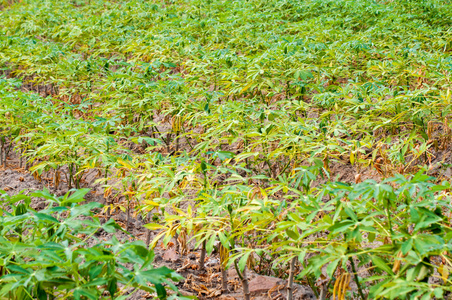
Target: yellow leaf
{"points": [[153, 226], [246, 88], [152, 203], [444, 271], [125, 164]]}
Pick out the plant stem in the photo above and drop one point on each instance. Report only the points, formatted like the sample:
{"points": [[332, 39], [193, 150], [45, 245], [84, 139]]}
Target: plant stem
{"points": [[244, 279], [56, 178], [355, 274], [290, 281], [323, 292], [128, 214], [224, 279], [106, 198], [177, 141], [246, 290], [148, 233], [1, 151], [388, 215], [7, 149], [3, 162], [20, 158], [312, 286], [203, 256]]}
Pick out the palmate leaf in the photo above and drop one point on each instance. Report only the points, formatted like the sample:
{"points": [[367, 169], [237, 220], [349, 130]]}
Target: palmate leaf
{"points": [[15, 220], [156, 277], [133, 254], [96, 255], [50, 256], [18, 290], [20, 197], [46, 195], [399, 288], [223, 155], [303, 75], [84, 210], [396, 84], [111, 226], [425, 243], [49, 264], [46, 218], [75, 197]]}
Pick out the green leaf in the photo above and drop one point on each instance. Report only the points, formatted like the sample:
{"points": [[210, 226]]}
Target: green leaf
{"points": [[84, 209], [303, 74], [45, 194], [80, 292], [112, 286], [332, 267], [302, 255], [223, 239], [45, 217], [111, 226], [76, 197], [292, 234], [438, 292], [243, 260], [223, 155], [381, 264], [371, 237], [210, 243], [406, 246], [161, 291]]}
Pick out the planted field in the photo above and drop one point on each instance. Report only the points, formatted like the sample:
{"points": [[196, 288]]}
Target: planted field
{"points": [[308, 141]]}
